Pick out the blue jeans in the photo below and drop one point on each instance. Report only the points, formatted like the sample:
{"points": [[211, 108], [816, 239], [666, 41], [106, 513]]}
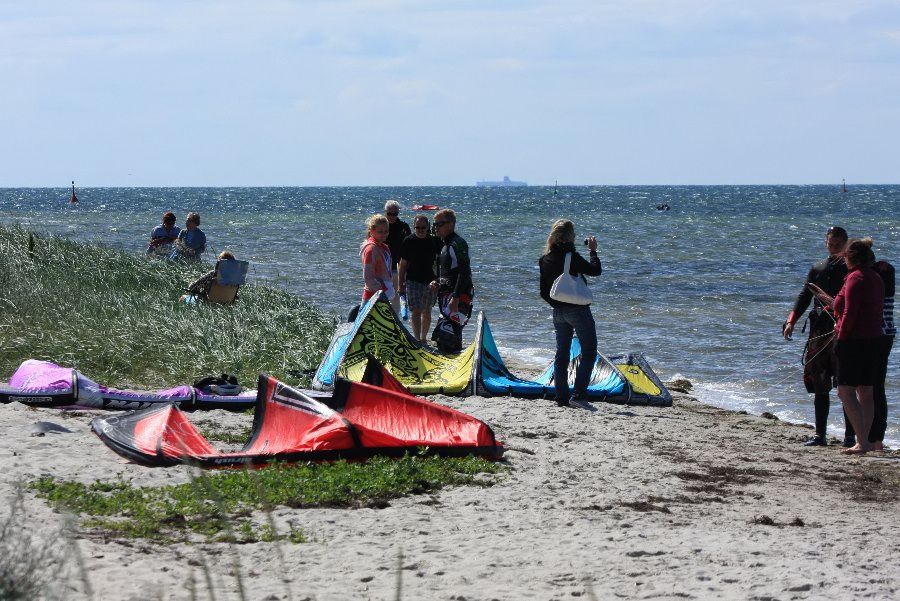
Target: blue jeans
{"points": [[580, 321]]}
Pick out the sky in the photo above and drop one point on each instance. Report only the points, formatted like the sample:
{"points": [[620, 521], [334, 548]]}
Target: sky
{"points": [[441, 92]]}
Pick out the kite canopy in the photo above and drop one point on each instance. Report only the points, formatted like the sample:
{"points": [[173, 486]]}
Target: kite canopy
{"points": [[356, 421], [377, 331], [478, 369], [46, 384]]}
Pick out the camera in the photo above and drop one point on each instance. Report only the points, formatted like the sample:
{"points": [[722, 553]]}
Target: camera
{"points": [[586, 240]]}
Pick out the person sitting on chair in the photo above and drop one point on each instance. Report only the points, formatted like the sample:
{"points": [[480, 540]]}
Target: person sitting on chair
{"points": [[201, 287]]}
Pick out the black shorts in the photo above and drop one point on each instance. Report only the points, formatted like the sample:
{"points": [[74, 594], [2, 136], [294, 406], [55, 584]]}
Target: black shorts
{"points": [[857, 362]]}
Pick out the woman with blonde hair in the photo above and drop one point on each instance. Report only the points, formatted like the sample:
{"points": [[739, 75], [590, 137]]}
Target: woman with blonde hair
{"points": [[376, 259], [569, 318]]}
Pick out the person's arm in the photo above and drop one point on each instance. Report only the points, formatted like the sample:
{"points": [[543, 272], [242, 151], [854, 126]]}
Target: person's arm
{"points": [[583, 266], [853, 297], [800, 305], [155, 238], [203, 284], [201, 243], [463, 274], [464, 269], [401, 276], [371, 279]]}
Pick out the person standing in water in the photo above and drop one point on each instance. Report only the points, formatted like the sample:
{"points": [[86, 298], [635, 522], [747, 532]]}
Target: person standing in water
{"points": [[819, 362], [191, 241], [163, 235]]}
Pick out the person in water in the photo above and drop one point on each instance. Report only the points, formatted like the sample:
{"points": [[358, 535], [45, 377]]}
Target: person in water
{"points": [[569, 319], [818, 355], [398, 231], [191, 241], [859, 309], [163, 235], [376, 259], [453, 283], [416, 272]]}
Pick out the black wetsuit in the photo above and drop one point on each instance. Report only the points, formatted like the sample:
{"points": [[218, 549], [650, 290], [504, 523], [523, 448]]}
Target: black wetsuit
{"points": [[818, 356], [454, 276]]}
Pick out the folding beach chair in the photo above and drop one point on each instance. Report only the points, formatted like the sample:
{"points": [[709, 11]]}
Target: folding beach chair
{"points": [[230, 275]]}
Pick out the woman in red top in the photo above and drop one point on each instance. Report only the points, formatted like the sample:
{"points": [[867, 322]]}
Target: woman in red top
{"points": [[376, 259], [858, 308]]}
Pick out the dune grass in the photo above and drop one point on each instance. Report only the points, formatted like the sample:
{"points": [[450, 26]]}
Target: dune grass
{"points": [[116, 317]]}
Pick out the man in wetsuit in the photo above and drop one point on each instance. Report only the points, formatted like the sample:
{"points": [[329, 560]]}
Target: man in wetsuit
{"points": [[453, 283], [818, 356]]}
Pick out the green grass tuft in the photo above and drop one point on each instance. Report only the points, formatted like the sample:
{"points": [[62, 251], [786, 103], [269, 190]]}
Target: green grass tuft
{"points": [[202, 507]]}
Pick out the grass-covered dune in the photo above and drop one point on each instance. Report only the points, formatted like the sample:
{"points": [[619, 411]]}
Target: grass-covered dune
{"points": [[115, 316]]}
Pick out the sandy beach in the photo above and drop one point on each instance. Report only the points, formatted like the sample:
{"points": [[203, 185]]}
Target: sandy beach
{"points": [[685, 502]]}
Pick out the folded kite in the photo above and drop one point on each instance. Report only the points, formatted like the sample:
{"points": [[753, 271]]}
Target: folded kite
{"points": [[357, 420]]}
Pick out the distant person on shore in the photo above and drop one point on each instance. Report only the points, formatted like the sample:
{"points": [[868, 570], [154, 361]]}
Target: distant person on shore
{"points": [[201, 286], [859, 309], [397, 232], [163, 236], [191, 241], [818, 355], [453, 283], [376, 259], [416, 271], [568, 318]]}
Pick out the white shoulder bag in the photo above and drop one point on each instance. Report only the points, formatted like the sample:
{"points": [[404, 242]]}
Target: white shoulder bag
{"points": [[568, 288]]}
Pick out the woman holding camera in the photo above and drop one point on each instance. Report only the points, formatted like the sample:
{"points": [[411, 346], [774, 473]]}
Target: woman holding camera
{"points": [[570, 318]]}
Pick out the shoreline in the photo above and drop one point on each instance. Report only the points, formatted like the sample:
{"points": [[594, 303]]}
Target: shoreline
{"points": [[628, 501]]}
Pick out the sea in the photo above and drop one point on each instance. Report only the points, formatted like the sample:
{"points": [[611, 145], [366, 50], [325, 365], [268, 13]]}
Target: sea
{"points": [[697, 278]]}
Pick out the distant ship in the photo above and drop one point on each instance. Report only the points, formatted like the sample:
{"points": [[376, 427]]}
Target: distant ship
{"points": [[505, 183]]}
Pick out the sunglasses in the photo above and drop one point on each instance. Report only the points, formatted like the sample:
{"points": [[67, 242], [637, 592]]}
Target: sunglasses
{"points": [[392, 214], [440, 223], [421, 227]]}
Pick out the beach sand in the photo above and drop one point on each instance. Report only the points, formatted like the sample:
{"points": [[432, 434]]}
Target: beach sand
{"points": [[684, 502]]}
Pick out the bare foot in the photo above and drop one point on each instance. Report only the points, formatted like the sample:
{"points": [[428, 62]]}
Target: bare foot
{"points": [[877, 446], [856, 450]]}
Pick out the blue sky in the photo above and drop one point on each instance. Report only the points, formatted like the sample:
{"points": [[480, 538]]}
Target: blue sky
{"points": [[432, 92]]}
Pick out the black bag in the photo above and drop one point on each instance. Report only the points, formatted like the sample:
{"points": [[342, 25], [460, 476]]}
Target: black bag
{"points": [[447, 335], [224, 384]]}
